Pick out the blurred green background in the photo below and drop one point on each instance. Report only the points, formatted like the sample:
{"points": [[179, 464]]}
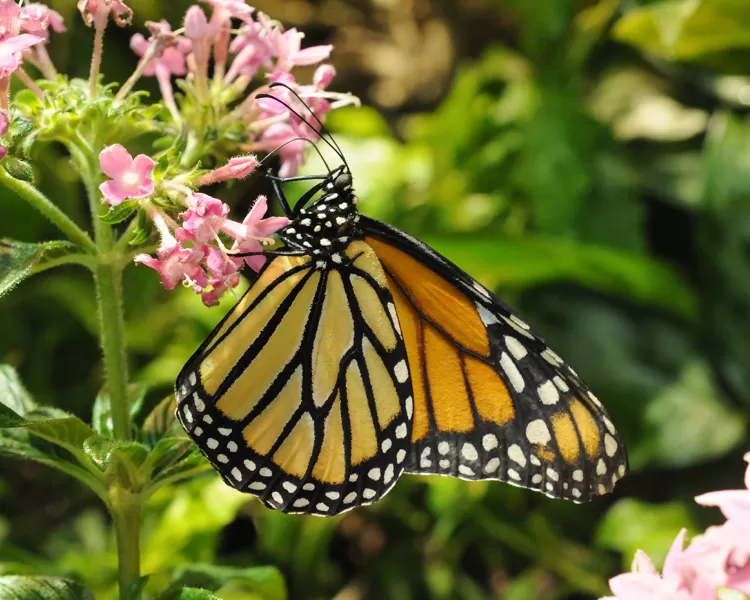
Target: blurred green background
{"points": [[590, 161]]}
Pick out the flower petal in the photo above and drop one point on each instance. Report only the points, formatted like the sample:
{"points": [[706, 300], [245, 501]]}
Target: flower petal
{"points": [[115, 160]]}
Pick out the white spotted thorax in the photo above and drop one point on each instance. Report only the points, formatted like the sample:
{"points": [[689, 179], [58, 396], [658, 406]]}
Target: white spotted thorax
{"points": [[325, 227]]}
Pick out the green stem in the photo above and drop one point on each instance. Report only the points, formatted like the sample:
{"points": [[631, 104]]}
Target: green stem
{"points": [[45, 206], [72, 259], [109, 297], [125, 508]]}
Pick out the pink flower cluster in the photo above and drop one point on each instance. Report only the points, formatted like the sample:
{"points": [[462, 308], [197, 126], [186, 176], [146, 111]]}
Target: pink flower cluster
{"points": [[192, 251], [260, 47], [22, 28], [719, 558]]}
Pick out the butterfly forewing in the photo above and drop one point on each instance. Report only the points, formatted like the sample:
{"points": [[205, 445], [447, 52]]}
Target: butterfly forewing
{"points": [[491, 399], [302, 395]]}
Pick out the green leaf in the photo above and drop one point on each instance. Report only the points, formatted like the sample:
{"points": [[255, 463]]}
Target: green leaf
{"points": [[167, 452], [13, 396], [101, 414], [140, 236], [632, 524], [265, 582], [160, 421], [117, 214], [19, 169], [27, 101], [193, 594], [58, 427], [679, 30], [17, 259], [527, 262], [120, 461], [42, 588], [688, 422]]}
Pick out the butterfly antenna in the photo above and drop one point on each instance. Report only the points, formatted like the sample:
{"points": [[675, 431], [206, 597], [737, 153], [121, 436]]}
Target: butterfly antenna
{"points": [[297, 139], [323, 129], [306, 122]]}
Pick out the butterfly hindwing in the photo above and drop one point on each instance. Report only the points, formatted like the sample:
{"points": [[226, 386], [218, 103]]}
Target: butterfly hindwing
{"points": [[302, 395], [491, 399]]}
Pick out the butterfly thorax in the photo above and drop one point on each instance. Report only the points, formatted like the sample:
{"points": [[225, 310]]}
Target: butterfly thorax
{"points": [[325, 227]]}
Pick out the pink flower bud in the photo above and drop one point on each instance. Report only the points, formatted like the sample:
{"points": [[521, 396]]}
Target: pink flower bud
{"points": [[238, 167], [196, 24], [323, 77]]}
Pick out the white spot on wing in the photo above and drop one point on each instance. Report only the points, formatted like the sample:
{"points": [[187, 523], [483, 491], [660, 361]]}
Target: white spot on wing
{"points": [[469, 452], [394, 317], [610, 445], [548, 393], [492, 465], [489, 442], [537, 432], [487, 317], [516, 379], [517, 349], [401, 371], [515, 453], [444, 448]]}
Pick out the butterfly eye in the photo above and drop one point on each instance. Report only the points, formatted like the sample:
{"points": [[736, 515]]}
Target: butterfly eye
{"points": [[343, 181]]}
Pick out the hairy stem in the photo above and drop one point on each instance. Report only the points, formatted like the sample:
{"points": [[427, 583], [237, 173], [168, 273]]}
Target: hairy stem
{"points": [[96, 61], [109, 298], [45, 206]]}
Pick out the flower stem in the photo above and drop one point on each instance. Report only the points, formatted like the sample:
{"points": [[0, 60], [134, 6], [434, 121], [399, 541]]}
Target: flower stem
{"points": [[96, 61], [125, 508], [45, 206], [109, 299]]}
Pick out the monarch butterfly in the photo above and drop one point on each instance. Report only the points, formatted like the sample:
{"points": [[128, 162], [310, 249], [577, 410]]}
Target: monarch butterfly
{"points": [[360, 354]]}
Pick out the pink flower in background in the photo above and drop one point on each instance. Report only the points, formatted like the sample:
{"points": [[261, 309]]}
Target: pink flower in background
{"points": [[11, 52], [204, 218], [170, 62], [291, 149], [323, 76], [196, 24], [96, 12], [287, 48], [254, 229], [38, 19], [231, 8], [645, 583], [129, 177], [10, 19], [718, 558]]}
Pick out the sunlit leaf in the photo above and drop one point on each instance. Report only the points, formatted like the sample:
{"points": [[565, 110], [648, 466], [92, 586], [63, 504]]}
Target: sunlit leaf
{"points": [[265, 582], [686, 30], [689, 422], [527, 262], [42, 588]]}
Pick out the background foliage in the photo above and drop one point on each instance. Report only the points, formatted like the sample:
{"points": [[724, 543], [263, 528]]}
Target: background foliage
{"points": [[590, 161]]}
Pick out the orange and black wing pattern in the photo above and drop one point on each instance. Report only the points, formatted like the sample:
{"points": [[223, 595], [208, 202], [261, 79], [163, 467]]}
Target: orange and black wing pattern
{"points": [[491, 399], [302, 395]]}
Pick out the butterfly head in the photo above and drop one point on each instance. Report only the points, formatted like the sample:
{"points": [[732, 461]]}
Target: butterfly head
{"points": [[326, 226]]}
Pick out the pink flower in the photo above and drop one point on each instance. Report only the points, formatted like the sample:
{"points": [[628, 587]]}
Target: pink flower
{"points": [[37, 19], [238, 167], [286, 47], [323, 77], [10, 19], [253, 50], [291, 149], [11, 52], [96, 12], [196, 24], [223, 271], [734, 504], [254, 229], [231, 8], [204, 218], [170, 62], [645, 583], [129, 177], [173, 262]]}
